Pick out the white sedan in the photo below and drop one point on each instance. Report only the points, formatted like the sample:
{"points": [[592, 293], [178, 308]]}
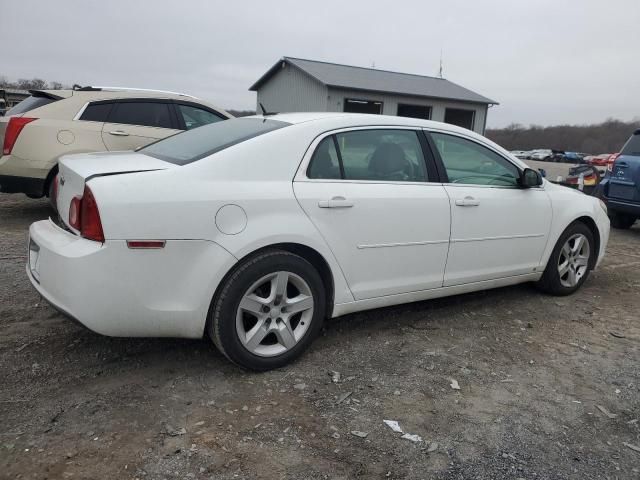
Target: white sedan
{"points": [[255, 229]]}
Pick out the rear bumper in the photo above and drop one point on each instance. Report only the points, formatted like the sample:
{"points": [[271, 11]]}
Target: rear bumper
{"points": [[13, 184], [116, 291]]}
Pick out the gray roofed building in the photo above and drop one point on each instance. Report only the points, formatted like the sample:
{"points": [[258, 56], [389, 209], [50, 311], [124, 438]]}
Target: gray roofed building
{"points": [[295, 85]]}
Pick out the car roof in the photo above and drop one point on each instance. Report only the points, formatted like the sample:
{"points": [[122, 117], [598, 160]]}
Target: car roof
{"points": [[361, 119], [326, 121], [88, 94]]}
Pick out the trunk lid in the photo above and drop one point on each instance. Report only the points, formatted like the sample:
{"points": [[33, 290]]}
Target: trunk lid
{"points": [[76, 170]]}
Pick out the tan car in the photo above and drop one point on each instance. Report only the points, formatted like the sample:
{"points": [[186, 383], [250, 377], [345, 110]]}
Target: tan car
{"points": [[51, 123]]}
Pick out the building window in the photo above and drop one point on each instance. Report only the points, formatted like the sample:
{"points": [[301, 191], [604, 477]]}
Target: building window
{"points": [[414, 111], [459, 117], [352, 105]]}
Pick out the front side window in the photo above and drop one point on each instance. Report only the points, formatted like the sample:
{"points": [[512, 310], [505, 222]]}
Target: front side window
{"points": [[374, 155], [146, 114], [467, 162], [196, 117]]}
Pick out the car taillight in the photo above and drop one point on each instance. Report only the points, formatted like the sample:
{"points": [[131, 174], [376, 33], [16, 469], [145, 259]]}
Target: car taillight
{"points": [[74, 212], [85, 217], [14, 127]]}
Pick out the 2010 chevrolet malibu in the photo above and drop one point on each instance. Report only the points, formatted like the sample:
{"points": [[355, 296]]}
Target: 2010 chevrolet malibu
{"points": [[255, 229]]}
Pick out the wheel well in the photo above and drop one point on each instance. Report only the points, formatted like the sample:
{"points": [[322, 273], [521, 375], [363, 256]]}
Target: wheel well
{"points": [[308, 253], [315, 259], [49, 179], [591, 225]]}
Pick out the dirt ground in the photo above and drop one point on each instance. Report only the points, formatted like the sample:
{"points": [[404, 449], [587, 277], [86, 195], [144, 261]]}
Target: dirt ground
{"points": [[549, 388]]}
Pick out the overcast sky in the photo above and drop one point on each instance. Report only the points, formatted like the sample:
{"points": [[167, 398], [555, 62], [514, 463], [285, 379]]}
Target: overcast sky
{"points": [[546, 61]]}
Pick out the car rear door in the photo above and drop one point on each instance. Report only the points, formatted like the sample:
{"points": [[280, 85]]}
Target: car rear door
{"points": [[134, 123], [373, 195], [624, 182], [497, 228]]}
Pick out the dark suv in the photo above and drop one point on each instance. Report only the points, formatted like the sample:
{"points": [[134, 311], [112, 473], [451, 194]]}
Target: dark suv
{"points": [[620, 189]]}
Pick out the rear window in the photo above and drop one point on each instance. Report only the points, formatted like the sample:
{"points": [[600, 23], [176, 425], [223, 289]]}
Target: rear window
{"points": [[198, 143], [632, 147], [30, 103]]}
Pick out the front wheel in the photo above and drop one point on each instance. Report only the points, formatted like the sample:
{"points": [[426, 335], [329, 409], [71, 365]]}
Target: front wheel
{"points": [[570, 262], [268, 311]]}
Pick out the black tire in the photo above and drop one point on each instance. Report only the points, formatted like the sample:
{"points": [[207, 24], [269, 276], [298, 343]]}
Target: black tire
{"points": [[550, 282], [50, 195], [222, 314], [622, 221], [35, 196]]}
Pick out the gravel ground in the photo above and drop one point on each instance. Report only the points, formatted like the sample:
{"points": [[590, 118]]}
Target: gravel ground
{"points": [[548, 388]]}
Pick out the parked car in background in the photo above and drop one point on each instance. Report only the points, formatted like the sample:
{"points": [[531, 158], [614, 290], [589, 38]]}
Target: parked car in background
{"points": [[520, 154], [541, 154], [52, 123], [620, 188], [255, 229], [600, 160], [572, 157], [611, 160]]}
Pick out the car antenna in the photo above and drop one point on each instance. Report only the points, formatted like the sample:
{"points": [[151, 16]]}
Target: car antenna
{"points": [[264, 111]]}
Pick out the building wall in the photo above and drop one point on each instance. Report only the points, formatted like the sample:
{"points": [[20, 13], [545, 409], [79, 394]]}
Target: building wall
{"points": [[390, 103], [291, 90]]}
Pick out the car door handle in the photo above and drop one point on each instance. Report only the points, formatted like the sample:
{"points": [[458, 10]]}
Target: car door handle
{"points": [[335, 202], [119, 133], [467, 202]]}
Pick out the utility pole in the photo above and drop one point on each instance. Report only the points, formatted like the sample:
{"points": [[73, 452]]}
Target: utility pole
{"points": [[440, 72]]}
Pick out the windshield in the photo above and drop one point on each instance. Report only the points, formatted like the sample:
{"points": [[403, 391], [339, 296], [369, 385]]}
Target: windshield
{"points": [[632, 147], [201, 142]]}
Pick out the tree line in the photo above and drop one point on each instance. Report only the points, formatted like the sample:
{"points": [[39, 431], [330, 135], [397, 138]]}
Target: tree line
{"points": [[30, 84], [606, 137]]}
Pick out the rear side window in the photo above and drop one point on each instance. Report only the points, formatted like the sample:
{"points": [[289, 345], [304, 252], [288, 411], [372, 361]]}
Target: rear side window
{"points": [[374, 155], [632, 147], [96, 112], [324, 163], [30, 103], [146, 114], [201, 142], [196, 117]]}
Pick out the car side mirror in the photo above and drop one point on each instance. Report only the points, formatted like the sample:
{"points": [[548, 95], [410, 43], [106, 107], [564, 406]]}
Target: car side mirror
{"points": [[530, 178]]}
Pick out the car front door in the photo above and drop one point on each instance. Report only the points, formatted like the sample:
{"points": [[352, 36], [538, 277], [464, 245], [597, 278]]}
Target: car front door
{"points": [[373, 195], [134, 123], [498, 229]]}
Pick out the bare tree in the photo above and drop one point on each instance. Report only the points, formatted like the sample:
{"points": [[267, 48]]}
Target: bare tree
{"points": [[605, 137]]}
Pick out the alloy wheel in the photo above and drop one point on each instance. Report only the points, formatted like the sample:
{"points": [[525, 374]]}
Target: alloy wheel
{"points": [[573, 261], [274, 314]]}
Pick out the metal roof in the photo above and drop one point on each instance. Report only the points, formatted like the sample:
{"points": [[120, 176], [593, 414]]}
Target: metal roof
{"points": [[371, 79]]}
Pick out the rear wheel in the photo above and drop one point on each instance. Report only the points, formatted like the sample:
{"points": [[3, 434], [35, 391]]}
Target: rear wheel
{"points": [[621, 220], [570, 262], [268, 311]]}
